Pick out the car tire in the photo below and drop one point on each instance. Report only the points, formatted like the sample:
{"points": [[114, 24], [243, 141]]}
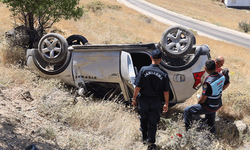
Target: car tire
{"points": [[177, 41], [194, 39], [53, 48], [51, 68], [76, 40]]}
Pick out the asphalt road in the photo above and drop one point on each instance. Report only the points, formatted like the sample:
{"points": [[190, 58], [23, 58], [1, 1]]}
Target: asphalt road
{"points": [[202, 28]]}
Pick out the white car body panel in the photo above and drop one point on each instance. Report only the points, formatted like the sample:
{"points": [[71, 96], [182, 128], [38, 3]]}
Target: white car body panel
{"points": [[90, 66], [183, 93]]}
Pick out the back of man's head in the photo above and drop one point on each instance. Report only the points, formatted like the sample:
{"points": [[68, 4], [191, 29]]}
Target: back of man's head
{"points": [[210, 65], [220, 59], [156, 54]]}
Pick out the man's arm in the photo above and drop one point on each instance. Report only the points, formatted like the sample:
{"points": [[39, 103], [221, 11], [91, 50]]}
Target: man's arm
{"points": [[202, 99], [227, 81], [206, 91], [225, 86], [166, 97], [136, 91]]}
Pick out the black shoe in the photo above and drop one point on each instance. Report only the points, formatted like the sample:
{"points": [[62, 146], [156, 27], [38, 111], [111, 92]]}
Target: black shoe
{"points": [[144, 137], [145, 142], [152, 146]]}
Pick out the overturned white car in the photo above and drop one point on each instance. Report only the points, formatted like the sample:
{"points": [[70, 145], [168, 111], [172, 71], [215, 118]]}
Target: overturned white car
{"points": [[102, 68]]}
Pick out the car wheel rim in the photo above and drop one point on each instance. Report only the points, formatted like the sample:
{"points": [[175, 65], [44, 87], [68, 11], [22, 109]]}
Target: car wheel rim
{"points": [[51, 48], [177, 41]]}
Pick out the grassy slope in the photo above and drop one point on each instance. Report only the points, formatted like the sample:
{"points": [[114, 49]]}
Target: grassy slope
{"points": [[125, 26], [210, 11]]}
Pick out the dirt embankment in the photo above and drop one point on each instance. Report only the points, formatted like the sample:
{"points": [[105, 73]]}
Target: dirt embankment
{"points": [[20, 124]]}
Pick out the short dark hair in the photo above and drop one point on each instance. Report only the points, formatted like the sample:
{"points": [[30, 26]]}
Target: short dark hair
{"points": [[156, 54], [210, 65]]}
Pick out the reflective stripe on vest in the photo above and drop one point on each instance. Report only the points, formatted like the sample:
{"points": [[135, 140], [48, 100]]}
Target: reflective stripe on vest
{"points": [[217, 87]]}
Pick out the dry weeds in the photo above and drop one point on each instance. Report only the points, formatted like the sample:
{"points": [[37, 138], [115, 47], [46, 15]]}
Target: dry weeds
{"points": [[10, 54], [52, 120]]}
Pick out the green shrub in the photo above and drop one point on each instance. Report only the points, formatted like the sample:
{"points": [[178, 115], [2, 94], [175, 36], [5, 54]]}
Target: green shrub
{"points": [[96, 6], [49, 133], [194, 31], [146, 19], [114, 7], [243, 25]]}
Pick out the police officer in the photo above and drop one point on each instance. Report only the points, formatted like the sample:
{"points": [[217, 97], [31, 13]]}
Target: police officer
{"points": [[151, 83], [210, 100]]}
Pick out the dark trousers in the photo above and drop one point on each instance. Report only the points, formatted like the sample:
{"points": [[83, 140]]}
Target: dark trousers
{"points": [[149, 117], [198, 110]]}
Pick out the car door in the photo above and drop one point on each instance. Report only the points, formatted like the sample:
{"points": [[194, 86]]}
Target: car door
{"points": [[96, 66], [114, 68], [128, 75]]}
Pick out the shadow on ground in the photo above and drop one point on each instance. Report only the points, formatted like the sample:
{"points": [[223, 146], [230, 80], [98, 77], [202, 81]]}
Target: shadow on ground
{"points": [[10, 139]]}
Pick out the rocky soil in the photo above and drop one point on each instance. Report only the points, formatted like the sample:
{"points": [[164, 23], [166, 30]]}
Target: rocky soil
{"points": [[20, 124]]}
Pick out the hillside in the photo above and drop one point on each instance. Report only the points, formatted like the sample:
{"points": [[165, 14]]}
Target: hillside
{"points": [[211, 11], [41, 111]]}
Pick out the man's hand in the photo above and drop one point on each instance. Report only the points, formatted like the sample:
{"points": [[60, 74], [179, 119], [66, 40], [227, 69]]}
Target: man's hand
{"points": [[165, 108], [134, 100], [134, 103], [166, 97]]}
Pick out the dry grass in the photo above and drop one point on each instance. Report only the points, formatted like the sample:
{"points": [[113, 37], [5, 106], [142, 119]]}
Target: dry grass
{"points": [[11, 76], [10, 54], [107, 125], [5, 23], [175, 137], [92, 124], [206, 10], [116, 126], [19, 80], [113, 26]]}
